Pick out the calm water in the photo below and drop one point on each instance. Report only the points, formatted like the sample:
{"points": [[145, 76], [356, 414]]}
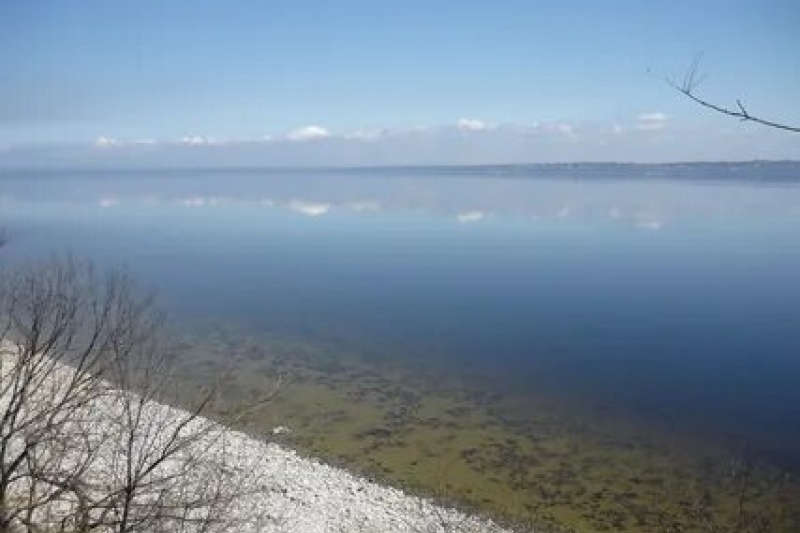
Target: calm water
{"points": [[673, 292]]}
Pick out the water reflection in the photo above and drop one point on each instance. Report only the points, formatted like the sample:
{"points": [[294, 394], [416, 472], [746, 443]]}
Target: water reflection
{"points": [[636, 194], [674, 298]]}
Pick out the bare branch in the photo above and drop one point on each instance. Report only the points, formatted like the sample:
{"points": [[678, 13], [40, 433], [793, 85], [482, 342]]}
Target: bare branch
{"points": [[692, 79], [88, 440]]}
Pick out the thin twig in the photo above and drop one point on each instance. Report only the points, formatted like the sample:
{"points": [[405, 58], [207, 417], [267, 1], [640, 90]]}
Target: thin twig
{"points": [[692, 79]]}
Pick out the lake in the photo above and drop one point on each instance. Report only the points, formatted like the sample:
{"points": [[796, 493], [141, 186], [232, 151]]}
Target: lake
{"points": [[663, 294]]}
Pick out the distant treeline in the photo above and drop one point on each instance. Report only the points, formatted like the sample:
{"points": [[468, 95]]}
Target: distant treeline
{"points": [[744, 171]]}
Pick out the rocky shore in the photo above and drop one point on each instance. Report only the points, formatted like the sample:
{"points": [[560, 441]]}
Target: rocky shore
{"points": [[244, 483], [306, 496]]}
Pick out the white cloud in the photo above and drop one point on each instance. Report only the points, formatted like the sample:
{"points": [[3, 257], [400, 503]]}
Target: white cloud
{"points": [[652, 117], [311, 209], [104, 141], [467, 217], [368, 135], [193, 140], [562, 128], [200, 201], [471, 124], [641, 138], [193, 202], [308, 133], [651, 121]]}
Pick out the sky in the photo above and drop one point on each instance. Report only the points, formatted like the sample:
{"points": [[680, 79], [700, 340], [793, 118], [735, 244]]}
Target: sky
{"points": [[356, 82]]}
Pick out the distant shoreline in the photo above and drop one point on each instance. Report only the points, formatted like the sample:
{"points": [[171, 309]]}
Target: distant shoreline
{"points": [[590, 169]]}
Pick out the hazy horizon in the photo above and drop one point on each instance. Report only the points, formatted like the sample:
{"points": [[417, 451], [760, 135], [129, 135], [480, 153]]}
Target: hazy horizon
{"points": [[544, 165], [361, 84]]}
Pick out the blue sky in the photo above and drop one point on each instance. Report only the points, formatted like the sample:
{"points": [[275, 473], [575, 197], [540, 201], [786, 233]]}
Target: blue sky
{"points": [[366, 82]]}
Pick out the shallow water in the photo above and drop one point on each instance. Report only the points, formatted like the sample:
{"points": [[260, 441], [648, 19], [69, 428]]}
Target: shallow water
{"points": [[666, 296]]}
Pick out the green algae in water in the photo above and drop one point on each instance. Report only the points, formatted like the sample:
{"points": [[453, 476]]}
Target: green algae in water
{"points": [[531, 461]]}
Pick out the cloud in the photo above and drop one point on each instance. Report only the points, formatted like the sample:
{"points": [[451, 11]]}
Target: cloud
{"points": [[563, 128], [311, 209], [641, 138], [193, 140], [651, 121], [105, 142], [652, 117], [308, 133], [210, 201], [204, 140], [471, 124], [193, 202], [467, 217], [368, 135]]}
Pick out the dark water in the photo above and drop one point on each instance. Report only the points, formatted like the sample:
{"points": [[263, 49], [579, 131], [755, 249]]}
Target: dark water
{"points": [[669, 292]]}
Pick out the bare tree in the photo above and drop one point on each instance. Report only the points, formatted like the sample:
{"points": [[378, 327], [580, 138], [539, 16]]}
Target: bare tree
{"points": [[692, 79], [86, 440]]}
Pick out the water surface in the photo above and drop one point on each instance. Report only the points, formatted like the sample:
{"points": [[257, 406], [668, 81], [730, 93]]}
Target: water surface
{"points": [[667, 293]]}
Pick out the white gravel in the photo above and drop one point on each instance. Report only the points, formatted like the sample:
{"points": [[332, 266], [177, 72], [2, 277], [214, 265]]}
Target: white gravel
{"points": [[310, 497], [281, 491]]}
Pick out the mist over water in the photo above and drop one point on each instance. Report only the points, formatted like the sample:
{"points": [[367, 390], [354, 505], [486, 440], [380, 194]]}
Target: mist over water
{"points": [[672, 296]]}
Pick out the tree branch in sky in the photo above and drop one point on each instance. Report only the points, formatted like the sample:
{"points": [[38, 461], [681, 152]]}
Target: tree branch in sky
{"points": [[692, 79]]}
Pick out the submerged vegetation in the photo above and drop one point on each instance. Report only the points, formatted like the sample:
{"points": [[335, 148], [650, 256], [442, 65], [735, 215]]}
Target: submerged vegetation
{"points": [[531, 461]]}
